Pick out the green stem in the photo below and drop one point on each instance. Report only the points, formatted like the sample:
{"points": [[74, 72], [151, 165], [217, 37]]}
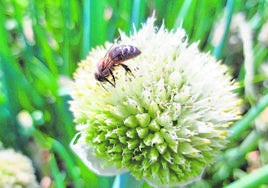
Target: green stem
{"points": [[238, 128], [250, 143], [228, 17], [56, 173], [255, 179], [86, 27], [57, 147], [235, 157], [73, 171], [126, 180], [135, 12]]}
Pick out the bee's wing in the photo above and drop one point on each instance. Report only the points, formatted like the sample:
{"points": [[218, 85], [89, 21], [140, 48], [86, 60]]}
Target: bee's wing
{"points": [[118, 54], [111, 57], [108, 51]]}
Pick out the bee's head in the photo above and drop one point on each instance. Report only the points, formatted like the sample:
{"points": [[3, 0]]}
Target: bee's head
{"points": [[98, 77]]}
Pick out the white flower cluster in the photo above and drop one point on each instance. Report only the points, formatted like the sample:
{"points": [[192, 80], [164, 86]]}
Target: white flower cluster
{"points": [[16, 170], [164, 124]]}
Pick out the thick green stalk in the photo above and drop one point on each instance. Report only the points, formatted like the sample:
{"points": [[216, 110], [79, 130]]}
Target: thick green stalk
{"points": [[235, 157], [238, 128], [255, 179]]}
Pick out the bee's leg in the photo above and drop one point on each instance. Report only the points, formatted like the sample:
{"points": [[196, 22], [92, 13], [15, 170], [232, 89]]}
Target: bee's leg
{"points": [[113, 84], [126, 69], [111, 72], [103, 87]]}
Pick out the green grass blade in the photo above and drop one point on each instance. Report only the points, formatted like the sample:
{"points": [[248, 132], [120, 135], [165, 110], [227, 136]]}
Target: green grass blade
{"points": [[67, 37], [41, 39], [184, 11]]}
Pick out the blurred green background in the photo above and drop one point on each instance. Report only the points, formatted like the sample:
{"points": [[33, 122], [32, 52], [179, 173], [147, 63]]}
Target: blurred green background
{"points": [[41, 43]]}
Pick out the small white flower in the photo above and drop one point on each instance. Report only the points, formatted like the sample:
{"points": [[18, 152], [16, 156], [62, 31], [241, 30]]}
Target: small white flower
{"points": [[165, 124], [16, 170]]}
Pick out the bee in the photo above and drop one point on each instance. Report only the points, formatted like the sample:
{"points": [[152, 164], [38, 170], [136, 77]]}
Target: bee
{"points": [[113, 58]]}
